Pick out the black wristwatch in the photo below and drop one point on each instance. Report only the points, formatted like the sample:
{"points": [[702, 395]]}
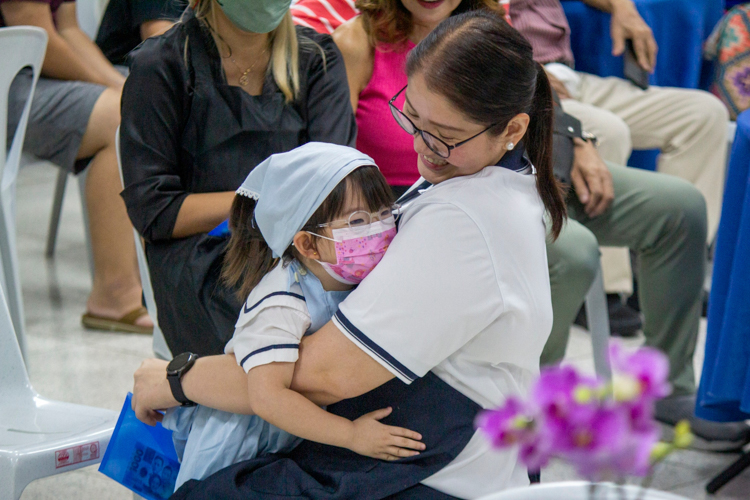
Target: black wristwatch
{"points": [[176, 368]]}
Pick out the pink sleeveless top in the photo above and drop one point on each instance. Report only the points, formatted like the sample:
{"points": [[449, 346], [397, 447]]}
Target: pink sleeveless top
{"points": [[378, 133]]}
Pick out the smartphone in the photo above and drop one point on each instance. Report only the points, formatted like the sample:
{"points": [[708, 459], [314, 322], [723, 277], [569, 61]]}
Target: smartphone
{"points": [[632, 70]]}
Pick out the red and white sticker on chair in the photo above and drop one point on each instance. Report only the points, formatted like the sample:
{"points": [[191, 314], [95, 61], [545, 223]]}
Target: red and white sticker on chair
{"points": [[76, 454]]}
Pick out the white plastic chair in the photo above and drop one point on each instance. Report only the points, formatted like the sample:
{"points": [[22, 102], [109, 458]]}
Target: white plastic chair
{"points": [[581, 490], [161, 350], [89, 14], [597, 315], [21, 47], [40, 437]]}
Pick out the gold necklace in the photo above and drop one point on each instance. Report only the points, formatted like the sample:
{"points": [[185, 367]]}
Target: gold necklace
{"points": [[244, 80]]}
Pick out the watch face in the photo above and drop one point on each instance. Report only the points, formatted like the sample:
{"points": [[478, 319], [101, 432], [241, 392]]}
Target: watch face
{"points": [[178, 362]]}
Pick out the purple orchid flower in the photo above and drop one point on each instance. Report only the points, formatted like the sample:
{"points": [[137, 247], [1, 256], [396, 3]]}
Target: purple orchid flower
{"points": [[602, 432], [648, 366], [513, 423]]}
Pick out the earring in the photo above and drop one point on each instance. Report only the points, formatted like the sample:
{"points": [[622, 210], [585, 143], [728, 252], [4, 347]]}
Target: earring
{"points": [[510, 146]]}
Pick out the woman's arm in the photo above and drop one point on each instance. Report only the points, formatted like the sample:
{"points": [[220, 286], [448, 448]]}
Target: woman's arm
{"points": [[67, 26], [201, 212], [61, 61], [355, 48], [155, 107], [213, 381], [273, 401], [330, 368]]}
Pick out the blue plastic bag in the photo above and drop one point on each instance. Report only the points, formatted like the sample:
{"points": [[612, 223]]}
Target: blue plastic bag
{"points": [[140, 457], [221, 230]]}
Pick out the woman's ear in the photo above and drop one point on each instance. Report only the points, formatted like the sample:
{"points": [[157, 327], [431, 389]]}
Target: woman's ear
{"points": [[516, 128], [304, 244]]}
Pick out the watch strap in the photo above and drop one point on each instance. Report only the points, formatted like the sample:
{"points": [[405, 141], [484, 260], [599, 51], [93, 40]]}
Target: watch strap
{"points": [[175, 384]]}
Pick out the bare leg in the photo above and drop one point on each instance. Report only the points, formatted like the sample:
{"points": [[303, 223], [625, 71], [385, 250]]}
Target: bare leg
{"points": [[117, 287]]}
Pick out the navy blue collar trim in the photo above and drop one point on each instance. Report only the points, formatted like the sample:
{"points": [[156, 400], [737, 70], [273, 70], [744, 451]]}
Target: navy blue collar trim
{"points": [[374, 348], [515, 160]]}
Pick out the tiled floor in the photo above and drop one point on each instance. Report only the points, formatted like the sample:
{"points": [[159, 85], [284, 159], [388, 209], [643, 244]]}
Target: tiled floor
{"points": [[71, 364]]}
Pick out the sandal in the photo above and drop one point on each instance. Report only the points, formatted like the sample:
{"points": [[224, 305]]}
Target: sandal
{"points": [[126, 324]]}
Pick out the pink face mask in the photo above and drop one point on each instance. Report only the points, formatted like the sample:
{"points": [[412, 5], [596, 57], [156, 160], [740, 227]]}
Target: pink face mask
{"points": [[358, 252]]}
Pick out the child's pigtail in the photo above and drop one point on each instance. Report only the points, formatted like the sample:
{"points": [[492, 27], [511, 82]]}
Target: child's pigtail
{"points": [[248, 257]]}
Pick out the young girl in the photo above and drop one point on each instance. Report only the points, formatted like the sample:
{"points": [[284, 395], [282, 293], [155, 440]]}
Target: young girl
{"points": [[307, 226]]}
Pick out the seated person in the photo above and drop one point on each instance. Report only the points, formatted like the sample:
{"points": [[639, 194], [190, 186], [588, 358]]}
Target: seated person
{"points": [[660, 217], [687, 125], [204, 104], [454, 317], [294, 275], [126, 23], [74, 115]]}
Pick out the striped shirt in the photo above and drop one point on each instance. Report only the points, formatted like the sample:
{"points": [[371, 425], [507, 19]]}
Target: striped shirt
{"points": [[544, 25], [324, 16]]}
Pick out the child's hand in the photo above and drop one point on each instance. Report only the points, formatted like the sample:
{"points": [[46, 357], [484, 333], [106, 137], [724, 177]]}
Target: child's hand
{"points": [[373, 439]]}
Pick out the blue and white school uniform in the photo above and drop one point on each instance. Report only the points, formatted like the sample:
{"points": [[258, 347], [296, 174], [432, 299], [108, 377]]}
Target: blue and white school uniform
{"points": [[458, 310], [287, 304]]}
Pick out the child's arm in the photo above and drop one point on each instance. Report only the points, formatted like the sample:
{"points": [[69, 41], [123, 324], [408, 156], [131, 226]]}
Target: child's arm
{"points": [[273, 401]]}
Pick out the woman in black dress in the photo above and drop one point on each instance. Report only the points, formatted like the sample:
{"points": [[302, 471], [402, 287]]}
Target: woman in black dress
{"points": [[203, 105]]}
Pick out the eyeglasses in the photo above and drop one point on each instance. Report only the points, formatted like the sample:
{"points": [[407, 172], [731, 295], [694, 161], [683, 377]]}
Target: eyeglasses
{"points": [[359, 221], [437, 146]]}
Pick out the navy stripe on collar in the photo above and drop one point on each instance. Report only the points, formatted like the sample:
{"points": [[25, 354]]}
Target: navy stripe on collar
{"points": [[296, 295], [268, 348], [374, 348], [515, 160]]}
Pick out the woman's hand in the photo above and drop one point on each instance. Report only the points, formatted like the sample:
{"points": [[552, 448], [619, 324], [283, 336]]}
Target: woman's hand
{"points": [[151, 391], [373, 439]]}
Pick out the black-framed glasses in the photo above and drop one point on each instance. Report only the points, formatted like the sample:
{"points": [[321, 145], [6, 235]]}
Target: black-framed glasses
{"points": [[437, 146]]}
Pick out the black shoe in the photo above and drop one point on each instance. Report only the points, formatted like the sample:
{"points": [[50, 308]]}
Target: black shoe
{"points": [[709, 436], [623, 321]]}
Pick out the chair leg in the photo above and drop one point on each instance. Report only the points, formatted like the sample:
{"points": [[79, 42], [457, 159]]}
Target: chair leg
{"points": [[734, 470], [10, 280], [54, 221], [84, 209], [598, 320]]}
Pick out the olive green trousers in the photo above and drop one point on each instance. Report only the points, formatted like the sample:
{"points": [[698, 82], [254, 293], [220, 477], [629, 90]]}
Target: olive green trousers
{"points": [[663, 220]]}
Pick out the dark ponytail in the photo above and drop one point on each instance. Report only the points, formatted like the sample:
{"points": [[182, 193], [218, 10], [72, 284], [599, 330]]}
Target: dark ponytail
{"points": [[485, 68], [538, 143]]}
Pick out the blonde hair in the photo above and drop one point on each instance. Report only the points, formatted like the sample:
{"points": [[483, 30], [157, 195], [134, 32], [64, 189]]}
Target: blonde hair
{"points": [[284, 62]]}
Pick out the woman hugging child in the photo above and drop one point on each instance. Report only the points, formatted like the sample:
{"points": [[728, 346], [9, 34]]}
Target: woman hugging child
{"points": [[307, 227]]}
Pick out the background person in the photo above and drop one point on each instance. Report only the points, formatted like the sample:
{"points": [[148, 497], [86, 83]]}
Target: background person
{"points": [[126, 23], [203, 105], [689, 126], [74, 114], [463, 336]]}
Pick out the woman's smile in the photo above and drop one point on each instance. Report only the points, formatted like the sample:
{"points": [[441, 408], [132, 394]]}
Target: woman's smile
{"points": [[436, 164], [430, 4]]}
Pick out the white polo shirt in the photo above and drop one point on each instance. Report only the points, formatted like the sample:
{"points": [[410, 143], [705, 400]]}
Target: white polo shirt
{"points": [[272, 322], [463, 291]]}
